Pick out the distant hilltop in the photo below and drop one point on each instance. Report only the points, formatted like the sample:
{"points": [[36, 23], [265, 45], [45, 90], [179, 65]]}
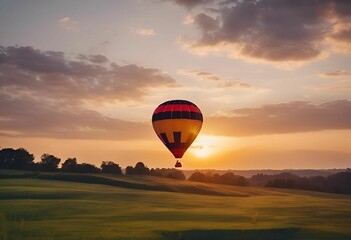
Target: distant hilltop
{"points": [[250, 173]]}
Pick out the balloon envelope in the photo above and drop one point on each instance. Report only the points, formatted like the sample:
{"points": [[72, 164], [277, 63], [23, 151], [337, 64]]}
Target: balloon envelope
{"points": [[177, 123]]}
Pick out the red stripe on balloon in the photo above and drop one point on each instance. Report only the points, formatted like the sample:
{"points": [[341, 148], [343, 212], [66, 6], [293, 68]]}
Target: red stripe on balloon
{"points": [[177, 107], [178, 152]]}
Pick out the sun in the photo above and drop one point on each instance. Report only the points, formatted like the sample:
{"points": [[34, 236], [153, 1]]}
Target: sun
{"points": [[203, 146]]}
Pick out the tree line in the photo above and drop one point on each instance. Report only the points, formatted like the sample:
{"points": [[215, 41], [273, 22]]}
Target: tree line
{"points": [[227, 178], [334, 183], [21, 159]]}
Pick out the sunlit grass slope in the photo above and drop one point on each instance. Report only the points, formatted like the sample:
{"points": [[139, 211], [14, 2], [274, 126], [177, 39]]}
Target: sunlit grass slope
{"points": [[52, 209]]}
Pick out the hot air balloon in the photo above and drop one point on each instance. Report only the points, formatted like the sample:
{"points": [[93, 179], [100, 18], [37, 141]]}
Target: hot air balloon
{"points": [[177, 123]]}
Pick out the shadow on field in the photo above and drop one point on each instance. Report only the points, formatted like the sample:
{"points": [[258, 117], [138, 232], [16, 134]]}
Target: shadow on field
{"points": [[253, 234]]}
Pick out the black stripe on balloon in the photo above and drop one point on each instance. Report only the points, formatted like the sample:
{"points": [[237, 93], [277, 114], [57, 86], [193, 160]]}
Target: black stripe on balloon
{"points": [[177, 102], [176, 144], [177, 115], [165, 139], [177, 136]]}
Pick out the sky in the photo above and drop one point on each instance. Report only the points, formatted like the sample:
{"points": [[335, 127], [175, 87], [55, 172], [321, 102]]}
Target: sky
{"points": [[272, 78]]}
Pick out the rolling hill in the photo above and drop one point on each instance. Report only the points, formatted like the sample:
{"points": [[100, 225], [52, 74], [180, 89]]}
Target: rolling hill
{"points": [[87, 206]]}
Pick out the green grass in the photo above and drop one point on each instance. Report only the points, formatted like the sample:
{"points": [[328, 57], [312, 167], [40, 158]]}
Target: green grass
{"points": [[125, 207]]}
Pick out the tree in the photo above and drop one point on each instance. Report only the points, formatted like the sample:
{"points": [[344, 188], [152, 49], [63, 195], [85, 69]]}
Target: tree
{"points": [[70, 165], [281, 183], [87, 168], [228, 178], [15, 159], [156, 172], [340, 182], [241, 181], [129, 170], [176, 174], [110, 167], [197, 177], [263, 179], [7, 156], [141, 169], [49, 162]]}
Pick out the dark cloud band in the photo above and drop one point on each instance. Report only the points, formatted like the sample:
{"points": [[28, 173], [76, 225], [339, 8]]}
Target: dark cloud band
{"points": [[43, 94], [283, 118], [273, 30], [54, 75]]}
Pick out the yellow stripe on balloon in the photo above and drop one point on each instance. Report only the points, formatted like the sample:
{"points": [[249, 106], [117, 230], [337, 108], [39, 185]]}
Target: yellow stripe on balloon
{"points": [[189, 128]]}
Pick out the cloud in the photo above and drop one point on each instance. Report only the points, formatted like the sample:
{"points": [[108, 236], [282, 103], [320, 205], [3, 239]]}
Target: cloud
{"points": [[43, 94], [188, 20], [273, 31], [68, 24], [28, 116], [207, 76], [144, 31], [340, 35], [93, 77], [211, 77], [338, 73], [289, 117], [339, 85], [191, 3], [98, 59], [197, 147], [341, 81], [231, 84]]}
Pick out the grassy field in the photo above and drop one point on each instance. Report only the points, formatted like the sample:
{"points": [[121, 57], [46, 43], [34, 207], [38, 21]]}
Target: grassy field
{"points": [[43, 206]]}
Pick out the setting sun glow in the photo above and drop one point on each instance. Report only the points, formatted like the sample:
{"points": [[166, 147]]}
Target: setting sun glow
{"points": [[204, 146]]}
